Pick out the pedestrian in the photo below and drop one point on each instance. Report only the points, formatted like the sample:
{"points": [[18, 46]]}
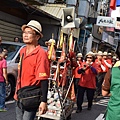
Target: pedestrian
{"points": [[107, 61], [110, 56], [111, 87], [35, 68], [101, 73], [87, 82], [3, 81], [5, 53], [75, 71], [16, 39], [114, 60]]}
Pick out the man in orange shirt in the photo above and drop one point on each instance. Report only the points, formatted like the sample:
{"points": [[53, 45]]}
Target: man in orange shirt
{"points": [[35, 68], [107, 61], [101, 72]]}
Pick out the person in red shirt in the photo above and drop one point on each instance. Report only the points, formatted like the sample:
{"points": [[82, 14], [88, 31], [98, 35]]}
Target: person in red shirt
{"points": [[3, 81], [110, 56], [87, 82], [101, 73], [107, 61], [75, 71], [35, 68], [106, 64], [99, 61]]}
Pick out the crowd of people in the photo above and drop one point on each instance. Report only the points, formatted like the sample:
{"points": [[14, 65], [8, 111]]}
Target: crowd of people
{"points": [[89, 75]]}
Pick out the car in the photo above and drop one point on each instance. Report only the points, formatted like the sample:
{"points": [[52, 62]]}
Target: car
{"points": [[13, 57]]}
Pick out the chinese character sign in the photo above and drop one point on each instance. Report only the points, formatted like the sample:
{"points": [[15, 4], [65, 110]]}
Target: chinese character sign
{"points": [[106, 21]]}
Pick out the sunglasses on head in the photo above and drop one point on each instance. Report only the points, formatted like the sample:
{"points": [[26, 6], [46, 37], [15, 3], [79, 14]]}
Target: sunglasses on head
{"points": [[89, 57]]}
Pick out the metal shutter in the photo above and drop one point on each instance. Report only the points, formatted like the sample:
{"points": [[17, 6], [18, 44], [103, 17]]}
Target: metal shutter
{"points": [[9, 30]]}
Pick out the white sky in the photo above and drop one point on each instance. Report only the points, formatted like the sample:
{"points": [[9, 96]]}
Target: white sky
{"points": [[115, 13]]}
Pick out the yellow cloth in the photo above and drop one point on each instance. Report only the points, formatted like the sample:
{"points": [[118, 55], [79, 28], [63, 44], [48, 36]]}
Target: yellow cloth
{"points": [[117, 64]]}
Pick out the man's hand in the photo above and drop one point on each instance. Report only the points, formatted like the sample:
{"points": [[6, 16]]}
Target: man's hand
{"points": [[6, 82], [84, 67], [42, 108]]}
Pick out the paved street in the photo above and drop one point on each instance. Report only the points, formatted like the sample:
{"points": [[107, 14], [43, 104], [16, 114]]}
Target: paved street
{"points": [[97, 109]]}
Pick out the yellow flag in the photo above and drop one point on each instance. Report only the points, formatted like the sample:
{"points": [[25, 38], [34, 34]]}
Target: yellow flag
{"points": [[71, 42], [61, 39], [50, 51]]}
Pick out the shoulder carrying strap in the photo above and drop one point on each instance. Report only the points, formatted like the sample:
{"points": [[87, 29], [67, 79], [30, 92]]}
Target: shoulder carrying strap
{"points": [[21, 65]]}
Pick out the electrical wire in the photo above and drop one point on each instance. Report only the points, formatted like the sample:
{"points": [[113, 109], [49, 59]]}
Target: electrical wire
{"points": [[25, 8]]}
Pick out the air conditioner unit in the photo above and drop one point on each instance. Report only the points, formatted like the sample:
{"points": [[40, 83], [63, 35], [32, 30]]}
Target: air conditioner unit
{"points": [[51, 1], [59, 1], [71, 2], [56, 1]]}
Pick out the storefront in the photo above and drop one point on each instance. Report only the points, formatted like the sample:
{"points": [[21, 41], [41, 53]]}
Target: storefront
{"points": [[13, 14], [101, 41]]}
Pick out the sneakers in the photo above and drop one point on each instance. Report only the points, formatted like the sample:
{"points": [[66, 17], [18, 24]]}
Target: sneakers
{"points": [[3, 109]]}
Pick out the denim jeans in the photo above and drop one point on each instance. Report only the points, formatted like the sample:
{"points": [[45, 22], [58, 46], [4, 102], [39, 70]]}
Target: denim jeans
{"points": [[2, 95], [25, 115]]}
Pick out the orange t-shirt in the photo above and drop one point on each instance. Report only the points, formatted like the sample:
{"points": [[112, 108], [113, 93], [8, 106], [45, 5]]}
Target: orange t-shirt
{"points": [[88, 79], [109, 62], [35, 67], [99, 65]]}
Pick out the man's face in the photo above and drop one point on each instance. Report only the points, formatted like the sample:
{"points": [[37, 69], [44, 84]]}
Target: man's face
{"points": [[99, 57], [29, 36], [105, 57], [79, 58], [109, 56]]}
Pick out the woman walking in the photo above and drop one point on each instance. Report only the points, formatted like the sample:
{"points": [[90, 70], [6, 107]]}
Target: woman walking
{"points": [[87, 82]]}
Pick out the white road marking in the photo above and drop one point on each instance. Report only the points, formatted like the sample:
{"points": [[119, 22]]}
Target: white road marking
{"points": [[9, 102], [100, 117], [103, 102]]}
